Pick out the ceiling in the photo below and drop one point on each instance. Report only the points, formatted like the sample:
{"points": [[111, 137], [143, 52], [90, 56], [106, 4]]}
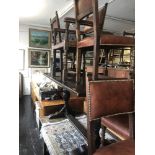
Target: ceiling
{"points": [[120, 14]]}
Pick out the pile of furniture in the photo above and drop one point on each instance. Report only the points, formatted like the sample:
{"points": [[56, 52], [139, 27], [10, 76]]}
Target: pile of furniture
{"points": [[105, 93]]}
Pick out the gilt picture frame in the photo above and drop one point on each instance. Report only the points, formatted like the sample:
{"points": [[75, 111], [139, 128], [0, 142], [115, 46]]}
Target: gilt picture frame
{"points": [[39, 38], [39, 58]]}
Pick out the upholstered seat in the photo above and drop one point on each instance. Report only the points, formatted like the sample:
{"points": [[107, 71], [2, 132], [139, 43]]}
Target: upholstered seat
{"points": [[125, 147], [118, 124], [107, 40]]}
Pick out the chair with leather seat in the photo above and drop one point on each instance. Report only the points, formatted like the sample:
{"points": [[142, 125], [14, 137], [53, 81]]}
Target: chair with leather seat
{"points": [[97, 41], [109, 98], [120, 126]]}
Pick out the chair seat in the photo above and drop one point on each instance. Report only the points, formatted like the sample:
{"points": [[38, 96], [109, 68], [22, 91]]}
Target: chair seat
{"points": [[125, 147], [107, 40], [118, 124]]}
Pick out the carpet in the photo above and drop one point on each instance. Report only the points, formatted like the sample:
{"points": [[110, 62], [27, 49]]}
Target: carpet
{"points": [[62, 138]]}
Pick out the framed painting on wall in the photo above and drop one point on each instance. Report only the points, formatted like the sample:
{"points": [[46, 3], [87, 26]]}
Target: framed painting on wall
{"points": [[39, 38], [39, 58]]}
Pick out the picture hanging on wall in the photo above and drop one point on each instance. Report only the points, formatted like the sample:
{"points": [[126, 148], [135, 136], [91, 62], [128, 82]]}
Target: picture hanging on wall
{"points": [[39, 38], [39, 58]]}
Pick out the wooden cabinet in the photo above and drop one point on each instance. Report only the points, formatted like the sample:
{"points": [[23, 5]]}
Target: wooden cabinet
{"points": [[46, 107]]}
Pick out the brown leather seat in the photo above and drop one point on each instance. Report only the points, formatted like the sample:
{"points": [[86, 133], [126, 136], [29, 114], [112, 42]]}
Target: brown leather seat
{"points": [[118, 124], [107, 40], [125, 147]]}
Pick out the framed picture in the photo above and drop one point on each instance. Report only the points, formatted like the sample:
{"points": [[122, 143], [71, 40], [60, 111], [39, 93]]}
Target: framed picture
{"points": [[39, 38], [39, 58]]}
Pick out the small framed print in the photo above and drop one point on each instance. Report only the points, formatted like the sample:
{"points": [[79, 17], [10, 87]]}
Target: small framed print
{"points": [[39, 58]]}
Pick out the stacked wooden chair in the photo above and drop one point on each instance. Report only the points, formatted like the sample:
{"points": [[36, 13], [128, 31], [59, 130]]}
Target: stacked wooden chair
{"points": [[98, 40], [63, 42]]}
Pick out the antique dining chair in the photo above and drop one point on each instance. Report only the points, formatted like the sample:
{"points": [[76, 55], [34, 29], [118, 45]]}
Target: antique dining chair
{"points": [[98, 40], [63, 42], [87, 30], [114, 98]]}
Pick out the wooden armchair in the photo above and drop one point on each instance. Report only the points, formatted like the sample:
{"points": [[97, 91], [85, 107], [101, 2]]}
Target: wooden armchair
{"points": [[109, 98], [63, 42], [84, 8]]}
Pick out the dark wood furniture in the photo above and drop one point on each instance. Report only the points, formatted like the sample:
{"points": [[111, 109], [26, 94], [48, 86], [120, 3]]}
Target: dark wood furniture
{"points": [[115, 97], [46, 106], [98, 40], [64, 43], [93, 42]]}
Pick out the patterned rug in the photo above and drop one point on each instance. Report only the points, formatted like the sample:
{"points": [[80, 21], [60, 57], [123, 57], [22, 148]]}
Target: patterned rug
{"points": [[62, 138]]}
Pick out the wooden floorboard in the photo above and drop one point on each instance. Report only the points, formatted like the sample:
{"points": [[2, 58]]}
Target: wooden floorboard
{"points": [[29, 141]]}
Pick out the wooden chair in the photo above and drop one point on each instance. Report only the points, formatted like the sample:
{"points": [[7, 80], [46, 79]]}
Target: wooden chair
{"points": [[63, 42], [87, 30], [84, 8], [109, 98]]}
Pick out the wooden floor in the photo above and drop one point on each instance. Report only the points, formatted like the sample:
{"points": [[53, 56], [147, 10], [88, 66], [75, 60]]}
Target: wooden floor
{"points": [[29, 141]]}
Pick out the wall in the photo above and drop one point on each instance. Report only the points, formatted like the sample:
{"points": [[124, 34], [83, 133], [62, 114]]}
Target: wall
{"points": [[24, 44]]}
